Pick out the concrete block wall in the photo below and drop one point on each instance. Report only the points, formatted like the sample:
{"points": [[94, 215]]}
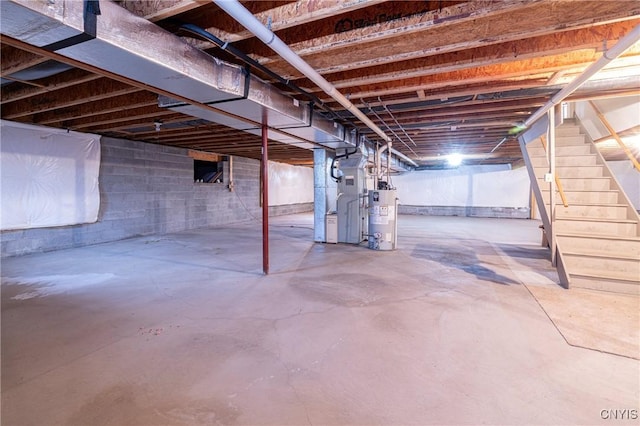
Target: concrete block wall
{"points": [[148, 189], [498, 212], [290, 209]]}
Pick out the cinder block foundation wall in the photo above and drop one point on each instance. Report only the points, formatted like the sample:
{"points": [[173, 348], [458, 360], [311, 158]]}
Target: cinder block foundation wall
{"points": [[148, 189], [497, 212]]}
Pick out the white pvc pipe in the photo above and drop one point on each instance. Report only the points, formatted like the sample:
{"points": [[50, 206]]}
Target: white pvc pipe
{"points": [[611, 54], [237, 11]]}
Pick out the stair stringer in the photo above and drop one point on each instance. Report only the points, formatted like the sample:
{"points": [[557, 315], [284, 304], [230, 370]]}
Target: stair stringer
{"points": [[533, 136]]}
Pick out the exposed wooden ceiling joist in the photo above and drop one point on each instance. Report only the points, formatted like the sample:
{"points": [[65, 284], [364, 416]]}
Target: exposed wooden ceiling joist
{"points": [[455, 74], [50, 84], [536, 20], [586, 40], [155, 10], [298, 13], [13, 60], [87, 92]]}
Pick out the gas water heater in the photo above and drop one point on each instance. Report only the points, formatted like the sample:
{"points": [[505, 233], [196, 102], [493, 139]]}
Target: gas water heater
{"points": [[383, 224]]}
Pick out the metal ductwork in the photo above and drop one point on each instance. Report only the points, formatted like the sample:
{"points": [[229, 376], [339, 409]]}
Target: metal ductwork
{"points": [[115, 40]]}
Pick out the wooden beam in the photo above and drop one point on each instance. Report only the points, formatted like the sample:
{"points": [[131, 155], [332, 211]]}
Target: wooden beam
{"points": [[585, 40], [340, 52], [86, 92], [118, 78], [453, 91], [13, 60], [298, 13], [555, 77], [204, 156], [156, 10], [123, 126], [521, 70], [27, 82], [117, 118], [56, 82], [455, 110], [77, 115], [211, 131], [454, 120], [352, 30]]}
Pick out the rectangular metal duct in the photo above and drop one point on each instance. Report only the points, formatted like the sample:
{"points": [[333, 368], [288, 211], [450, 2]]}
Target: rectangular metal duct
{"points": [[133, 47]]}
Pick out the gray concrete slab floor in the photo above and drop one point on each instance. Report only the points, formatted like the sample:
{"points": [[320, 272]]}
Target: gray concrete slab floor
{"points": [[183, 329]]}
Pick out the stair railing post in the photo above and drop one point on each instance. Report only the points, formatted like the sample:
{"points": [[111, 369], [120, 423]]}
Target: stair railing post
{"points": [[551, 153]]}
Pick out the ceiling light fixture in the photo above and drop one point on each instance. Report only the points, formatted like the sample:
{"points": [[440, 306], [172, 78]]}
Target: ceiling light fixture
{"points": [[454, 160]]}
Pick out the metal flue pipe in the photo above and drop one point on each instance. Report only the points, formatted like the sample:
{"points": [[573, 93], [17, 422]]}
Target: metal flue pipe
{"points": [[238, 12], [623, 44]]}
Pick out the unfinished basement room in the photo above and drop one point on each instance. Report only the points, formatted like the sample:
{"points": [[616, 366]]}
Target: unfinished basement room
{"points": [[320, 212]]}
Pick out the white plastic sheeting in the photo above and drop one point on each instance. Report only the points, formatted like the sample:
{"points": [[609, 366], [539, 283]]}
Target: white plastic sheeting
{"points": [[290, 184], [629, 178], [467, 186], [48, 177], [621, 113]]}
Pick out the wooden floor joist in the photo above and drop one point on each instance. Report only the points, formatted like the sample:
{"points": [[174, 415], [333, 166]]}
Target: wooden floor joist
{"points": [[454, 74]]}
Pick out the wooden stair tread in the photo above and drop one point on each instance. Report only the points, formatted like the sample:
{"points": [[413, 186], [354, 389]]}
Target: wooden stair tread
{"points": [[597, 237], [595, 219], [572, 156], [595, 274], [581, 178], [565, 166], [584, 190], [602, 255], [571, 204]]}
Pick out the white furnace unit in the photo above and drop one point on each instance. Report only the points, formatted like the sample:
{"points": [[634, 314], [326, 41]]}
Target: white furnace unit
{"points": [[352, 199]]}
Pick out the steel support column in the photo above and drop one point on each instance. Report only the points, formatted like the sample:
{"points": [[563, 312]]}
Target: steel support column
{"points": [[264, 169], [551, 148]]}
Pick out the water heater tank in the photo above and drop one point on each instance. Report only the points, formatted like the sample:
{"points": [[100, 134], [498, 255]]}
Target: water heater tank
{"points": [[383, 213]]}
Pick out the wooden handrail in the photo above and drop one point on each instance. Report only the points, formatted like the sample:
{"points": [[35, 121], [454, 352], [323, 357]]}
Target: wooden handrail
{"points": [[557, 179], [615, 136]]}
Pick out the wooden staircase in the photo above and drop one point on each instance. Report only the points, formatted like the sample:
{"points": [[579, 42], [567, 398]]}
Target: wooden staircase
{"points": [[598, 233]]}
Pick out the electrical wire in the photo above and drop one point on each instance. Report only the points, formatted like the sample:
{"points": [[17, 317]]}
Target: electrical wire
{"points": [[396, 121], [387, 126]]}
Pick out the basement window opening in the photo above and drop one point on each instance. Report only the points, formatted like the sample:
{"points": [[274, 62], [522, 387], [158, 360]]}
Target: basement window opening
{"points": [[208, 171]]}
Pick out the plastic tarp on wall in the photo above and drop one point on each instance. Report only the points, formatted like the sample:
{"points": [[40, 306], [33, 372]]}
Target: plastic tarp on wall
{"points": [[628, 178], [621, 113], [290, 184], [48, 177], [470, 186]]}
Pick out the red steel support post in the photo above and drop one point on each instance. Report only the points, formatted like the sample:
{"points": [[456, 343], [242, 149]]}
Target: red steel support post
{"points": [[264, 167]]}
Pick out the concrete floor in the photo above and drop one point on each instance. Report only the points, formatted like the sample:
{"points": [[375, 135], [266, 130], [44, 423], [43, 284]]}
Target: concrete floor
{"points": [[183, 329]]}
